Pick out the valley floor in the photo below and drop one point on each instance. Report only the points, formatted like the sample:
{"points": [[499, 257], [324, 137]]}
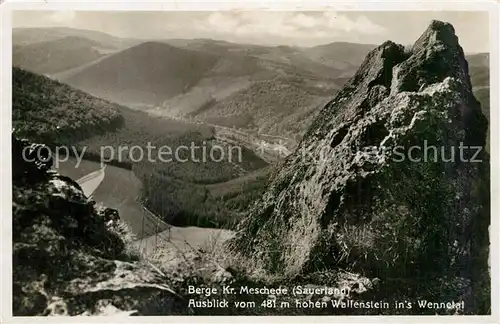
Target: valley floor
{"points": [[120, 190]]}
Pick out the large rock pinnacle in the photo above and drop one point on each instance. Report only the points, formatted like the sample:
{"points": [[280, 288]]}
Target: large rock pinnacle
{"points": [[379, 183]]}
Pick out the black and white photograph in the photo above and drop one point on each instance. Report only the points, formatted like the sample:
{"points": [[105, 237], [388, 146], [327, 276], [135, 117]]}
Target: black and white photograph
{"points": [[251, 163]]}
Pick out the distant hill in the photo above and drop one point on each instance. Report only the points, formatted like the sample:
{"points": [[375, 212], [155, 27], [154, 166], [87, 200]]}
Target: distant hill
{"points": [[152, 73], [26, 36], [339, 55], [479, 70], [478, 59], [214, 46], [59, 54], [148, 73], [479, 67], [50, 112]]}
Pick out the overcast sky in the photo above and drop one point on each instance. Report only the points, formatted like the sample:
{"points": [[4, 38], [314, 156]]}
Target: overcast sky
{"points": [[269, 28]]}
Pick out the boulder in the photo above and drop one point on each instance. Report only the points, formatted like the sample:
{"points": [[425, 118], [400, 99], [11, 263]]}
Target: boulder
{"points": [[68, 260], [373, 186]]}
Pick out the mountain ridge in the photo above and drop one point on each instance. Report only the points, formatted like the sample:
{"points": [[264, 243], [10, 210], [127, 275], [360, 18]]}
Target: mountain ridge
{"points": [[322, 70], [30, 35]]}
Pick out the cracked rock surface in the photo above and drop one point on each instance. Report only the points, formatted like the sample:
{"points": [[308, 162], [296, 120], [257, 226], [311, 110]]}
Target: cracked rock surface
{"points": [[352, 196], [66, 258]]}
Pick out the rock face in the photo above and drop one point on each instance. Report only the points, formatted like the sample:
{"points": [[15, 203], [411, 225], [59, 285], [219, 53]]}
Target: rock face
{"points": [[68, 258], [373, 186]]}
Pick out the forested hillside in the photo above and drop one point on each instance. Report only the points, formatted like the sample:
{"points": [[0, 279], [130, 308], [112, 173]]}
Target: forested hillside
{"points": [[147, 73], [54, 113], [58, 55]]}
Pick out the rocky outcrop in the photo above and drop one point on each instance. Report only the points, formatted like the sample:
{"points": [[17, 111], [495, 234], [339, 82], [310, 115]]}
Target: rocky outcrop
{"points": [[374, 185], [68, 257]]}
